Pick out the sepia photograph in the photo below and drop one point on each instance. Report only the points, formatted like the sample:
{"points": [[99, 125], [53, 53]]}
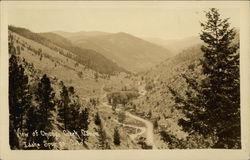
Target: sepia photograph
{"points": [[124, 77]]}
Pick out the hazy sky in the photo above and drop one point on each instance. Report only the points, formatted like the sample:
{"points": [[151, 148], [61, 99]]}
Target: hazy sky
{"points": [[149, 21]]}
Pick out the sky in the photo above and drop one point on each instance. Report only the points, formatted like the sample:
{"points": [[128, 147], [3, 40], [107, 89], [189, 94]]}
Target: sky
{"points": [[152, 21]]}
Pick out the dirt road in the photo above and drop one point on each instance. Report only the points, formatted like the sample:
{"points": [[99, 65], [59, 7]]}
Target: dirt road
{"points": [[148, 129]]}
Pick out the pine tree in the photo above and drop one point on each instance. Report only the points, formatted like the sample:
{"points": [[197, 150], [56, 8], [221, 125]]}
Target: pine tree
{"points": [[19, 97], [73, 118], [212, 105], [32, 125], [155, 124], [102, 138], [222, 85], [117, 140], [83, 124], [97, 119], [63, 107], [45, 98]]}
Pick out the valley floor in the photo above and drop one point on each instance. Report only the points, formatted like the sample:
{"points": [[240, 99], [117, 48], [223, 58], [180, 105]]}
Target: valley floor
{"points": [[147, 129]]}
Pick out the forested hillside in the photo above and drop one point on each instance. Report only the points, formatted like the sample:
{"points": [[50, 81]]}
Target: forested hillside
{"points": [[176, 93], [36, 101], [68, 94], [130, 52], [157, 104], [87, 57]]}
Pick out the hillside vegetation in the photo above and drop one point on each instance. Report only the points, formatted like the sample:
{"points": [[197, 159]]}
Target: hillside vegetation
{"points": [[130, 52], [87, 57], [62, 96], [175, 96], [73, 86]]}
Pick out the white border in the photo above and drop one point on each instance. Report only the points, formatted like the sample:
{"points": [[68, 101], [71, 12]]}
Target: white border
{"points": [[243, 154]]}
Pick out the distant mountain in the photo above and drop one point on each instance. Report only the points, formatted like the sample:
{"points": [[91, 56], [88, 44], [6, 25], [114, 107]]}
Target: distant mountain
{"points": [[187, 57], [55, 38], [159, 100], [176, 45], [79, 35], [130, 52], [87, 57]]}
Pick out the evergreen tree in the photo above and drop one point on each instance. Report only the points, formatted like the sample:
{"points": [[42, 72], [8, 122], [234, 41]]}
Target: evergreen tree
{"points": [[45, 98], [63, 107], [97, 119], [32, 125], [19, 97], [83, 124], [102, 138], [221, 88], [73, 112], [212, 105], [71, 90], [155, 124], [117, 140]]}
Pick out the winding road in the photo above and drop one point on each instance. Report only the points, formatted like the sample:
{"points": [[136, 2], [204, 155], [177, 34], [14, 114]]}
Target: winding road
{"points": [[148, 129]]}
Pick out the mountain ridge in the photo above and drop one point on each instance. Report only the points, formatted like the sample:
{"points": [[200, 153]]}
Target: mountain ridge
{"points": [[87, 57], [129, 51], [76, 35]]}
